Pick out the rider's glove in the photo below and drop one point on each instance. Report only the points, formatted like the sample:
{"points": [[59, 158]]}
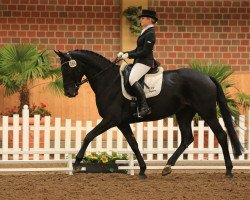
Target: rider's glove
{"points": [[125, 55], [119, 55]]}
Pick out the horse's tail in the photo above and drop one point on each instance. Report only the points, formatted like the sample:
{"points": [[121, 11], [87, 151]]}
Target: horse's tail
{"points": [[227, 118]]}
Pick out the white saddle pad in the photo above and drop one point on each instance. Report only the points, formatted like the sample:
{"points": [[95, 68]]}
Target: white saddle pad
{"points": [[153, 81]]}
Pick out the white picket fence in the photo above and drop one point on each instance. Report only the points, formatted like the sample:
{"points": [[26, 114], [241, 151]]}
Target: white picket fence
{"points": [[47, 142]]}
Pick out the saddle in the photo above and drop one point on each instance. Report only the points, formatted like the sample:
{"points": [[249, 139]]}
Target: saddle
{"points": [[127, 70]]}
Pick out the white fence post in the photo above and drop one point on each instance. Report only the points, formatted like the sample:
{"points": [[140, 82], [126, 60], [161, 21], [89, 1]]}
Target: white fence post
{"points": [[160, 139], [25, 131], [68, 134], [36, 135], [78, 140], [70, 165], [200, 139], [109, 139], [241, 134], [99, 144], [16, 135], [150, 139], [131, 164], [47, 136], [210, 143], [5, 136], [139, 135], [57, 136], [170, 136], [119, 138], [191, 146]]}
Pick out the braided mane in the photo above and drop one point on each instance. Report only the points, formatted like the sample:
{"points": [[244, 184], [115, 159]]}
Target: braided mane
{"points": [[94, 58]]}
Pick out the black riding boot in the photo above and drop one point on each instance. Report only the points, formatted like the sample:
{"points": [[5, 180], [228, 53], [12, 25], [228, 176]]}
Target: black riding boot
{"points": [[141, 98]]}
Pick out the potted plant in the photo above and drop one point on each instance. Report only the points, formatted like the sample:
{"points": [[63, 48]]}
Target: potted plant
{"points": [[21, 65], [103, 162], [132, 14], [222, 74]]}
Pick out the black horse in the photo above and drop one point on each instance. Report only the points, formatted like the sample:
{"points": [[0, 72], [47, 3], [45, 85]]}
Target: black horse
{"points": [[184, 93]]}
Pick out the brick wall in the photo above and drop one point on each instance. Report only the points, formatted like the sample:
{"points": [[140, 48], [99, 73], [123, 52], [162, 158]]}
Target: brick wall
{"points": [[62, 24], [192, 29], [214, 30], [217, 31]]}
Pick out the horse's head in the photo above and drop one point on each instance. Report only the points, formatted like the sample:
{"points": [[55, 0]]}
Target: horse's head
{"points": [[71, 73]]}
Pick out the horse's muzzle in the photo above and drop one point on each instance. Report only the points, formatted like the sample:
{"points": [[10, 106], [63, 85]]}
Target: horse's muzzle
{"points": [[71, 94]]}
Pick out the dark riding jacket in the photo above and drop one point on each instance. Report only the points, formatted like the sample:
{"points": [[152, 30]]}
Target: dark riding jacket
{"points": [[144, 50]]}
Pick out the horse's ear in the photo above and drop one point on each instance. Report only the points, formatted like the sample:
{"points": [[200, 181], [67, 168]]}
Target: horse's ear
{"points": [[59, 53]]}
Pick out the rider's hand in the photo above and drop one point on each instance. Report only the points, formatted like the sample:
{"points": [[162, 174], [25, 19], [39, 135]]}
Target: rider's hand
{"points": [[125, 55], [120, 54]]}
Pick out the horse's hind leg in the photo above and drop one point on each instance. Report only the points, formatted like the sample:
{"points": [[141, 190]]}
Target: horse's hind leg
{"points": [[184, 118], [222, 139]]}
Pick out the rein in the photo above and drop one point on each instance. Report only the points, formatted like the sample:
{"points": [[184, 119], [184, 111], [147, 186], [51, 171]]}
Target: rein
{"points": [[96, 75], [93, 77]]}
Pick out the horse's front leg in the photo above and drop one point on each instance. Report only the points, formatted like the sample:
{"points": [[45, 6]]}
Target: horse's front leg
{"points": [[103, 126], [128, 134]]}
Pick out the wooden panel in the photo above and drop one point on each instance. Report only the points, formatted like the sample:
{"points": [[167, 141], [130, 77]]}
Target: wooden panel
{"points": [[82, 107], [128, 40], [242, 81]]}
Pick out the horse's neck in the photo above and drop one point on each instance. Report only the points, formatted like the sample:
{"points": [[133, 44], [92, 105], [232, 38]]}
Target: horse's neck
{"points": [[104, 81], [98, 82]]}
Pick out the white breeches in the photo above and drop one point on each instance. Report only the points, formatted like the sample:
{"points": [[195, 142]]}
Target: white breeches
{"points": [[138, 71]]}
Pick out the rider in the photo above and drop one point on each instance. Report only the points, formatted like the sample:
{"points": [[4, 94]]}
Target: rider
{"points": [[143, 58]]}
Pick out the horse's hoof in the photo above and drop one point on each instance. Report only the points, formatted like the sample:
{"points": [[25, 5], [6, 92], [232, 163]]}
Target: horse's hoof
{"points": [[167, 170], [77, 168], [142, 176], [229, 175]]}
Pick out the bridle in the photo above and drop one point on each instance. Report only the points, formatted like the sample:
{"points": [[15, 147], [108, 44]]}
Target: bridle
{"points": [[73, 63]]}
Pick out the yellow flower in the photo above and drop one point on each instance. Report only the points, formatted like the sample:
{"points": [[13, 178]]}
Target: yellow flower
{"points": [[93, 157], [104, 159]]}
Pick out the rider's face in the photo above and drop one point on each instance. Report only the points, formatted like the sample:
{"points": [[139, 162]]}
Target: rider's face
{"points": [[145, 21]]}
